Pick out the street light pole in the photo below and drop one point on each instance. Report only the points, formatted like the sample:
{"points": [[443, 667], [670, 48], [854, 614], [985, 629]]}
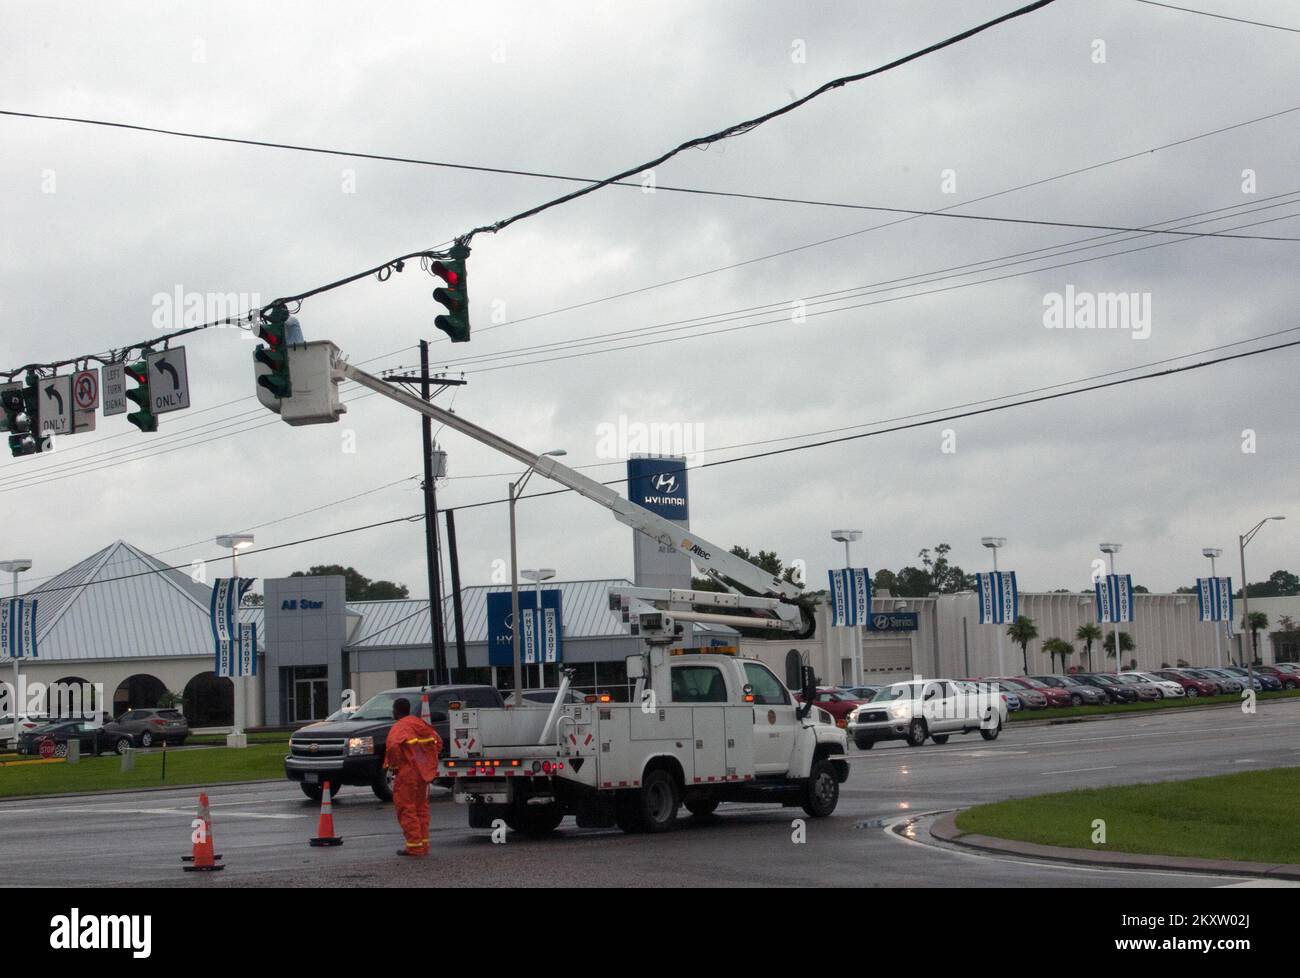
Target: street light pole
{"points": [[15, 567], [1111, 549], [237, 542], [516, 490], [1212, 553], [995, 544], [847, 537], [1242, 540]]}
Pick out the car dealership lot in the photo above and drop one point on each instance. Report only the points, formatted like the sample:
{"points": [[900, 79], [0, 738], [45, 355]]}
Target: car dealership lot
{"points": [[262, 829]]}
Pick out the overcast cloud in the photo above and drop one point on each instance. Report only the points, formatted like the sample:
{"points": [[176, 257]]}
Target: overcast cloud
{"points": [[589, 89]]}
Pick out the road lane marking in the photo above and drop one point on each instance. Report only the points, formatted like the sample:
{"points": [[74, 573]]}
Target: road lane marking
{"points": [[63, 810], [1080, 770]]}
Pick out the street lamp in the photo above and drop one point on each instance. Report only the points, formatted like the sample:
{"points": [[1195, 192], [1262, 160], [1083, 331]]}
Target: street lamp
{"points": [[1212, 553], [15, 567], [1111, 549], [847, 537], [235, 542], [516, 490], [537, 576], [1242, 540], [995, 544]]}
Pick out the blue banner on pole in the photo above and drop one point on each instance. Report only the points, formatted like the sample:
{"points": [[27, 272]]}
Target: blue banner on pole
{"points": [[540, 640], [850, 591], [227, 596], [1214, 596], [18, 628], [1114, 598], [999, 597]]}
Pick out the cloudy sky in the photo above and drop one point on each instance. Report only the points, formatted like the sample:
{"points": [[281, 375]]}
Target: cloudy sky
{"points": [[102, 225]]}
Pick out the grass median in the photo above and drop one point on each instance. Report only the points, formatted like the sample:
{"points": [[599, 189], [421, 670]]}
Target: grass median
{"points": [[184, 767], [1248, 816], [1067, 712], [219, 740]]}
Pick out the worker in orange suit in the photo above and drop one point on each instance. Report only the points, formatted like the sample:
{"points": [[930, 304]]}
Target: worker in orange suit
{"points": [[411, 751]]}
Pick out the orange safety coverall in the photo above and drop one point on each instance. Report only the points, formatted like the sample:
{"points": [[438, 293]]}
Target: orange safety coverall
{"points": [[412, 752]]}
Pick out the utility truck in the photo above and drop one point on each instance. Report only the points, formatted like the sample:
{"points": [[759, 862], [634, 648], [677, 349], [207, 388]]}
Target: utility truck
{"points": [[703, 727]]}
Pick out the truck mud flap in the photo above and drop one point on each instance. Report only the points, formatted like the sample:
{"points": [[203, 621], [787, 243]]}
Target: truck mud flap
{"points": [[482, 816], [595, 811]]}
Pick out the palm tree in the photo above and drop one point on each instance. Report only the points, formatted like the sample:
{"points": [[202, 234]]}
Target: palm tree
{"points": [[1087, 634], [1255, 622], [1022, 632], [1058, 646], [1125, 644]]}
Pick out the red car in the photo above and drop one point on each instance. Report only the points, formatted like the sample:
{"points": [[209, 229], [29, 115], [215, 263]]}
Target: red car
{"points": [[1191, 685], [1053, 695], [834, 702], [1286, 677]]}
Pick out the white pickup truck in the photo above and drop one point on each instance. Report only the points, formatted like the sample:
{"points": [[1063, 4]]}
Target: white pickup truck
{"points": [[708, 727]]}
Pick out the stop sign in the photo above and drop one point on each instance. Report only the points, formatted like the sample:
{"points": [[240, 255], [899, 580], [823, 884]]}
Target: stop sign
{"points": [[47, 747]]}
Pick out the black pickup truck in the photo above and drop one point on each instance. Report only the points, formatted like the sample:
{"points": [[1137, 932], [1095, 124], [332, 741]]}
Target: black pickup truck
{"points": [[350, 750]]}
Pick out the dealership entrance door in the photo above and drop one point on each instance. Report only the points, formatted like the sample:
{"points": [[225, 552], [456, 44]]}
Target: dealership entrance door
{"points": [[304, 693]]}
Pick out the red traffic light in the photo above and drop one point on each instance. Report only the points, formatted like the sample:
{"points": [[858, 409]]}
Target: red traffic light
{"points": [[448, 274]]}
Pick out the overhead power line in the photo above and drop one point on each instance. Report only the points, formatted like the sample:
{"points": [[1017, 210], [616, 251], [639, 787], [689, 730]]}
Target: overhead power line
{"points": [[386, 269], [1206, 13]]}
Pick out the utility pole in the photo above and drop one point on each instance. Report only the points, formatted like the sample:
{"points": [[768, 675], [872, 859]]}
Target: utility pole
{"points": [[458, 614], [433, 558]]}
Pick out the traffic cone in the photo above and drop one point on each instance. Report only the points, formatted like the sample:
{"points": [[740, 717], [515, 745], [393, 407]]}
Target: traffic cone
{"points": [[424, 707], [325, 828], [203, 860]]}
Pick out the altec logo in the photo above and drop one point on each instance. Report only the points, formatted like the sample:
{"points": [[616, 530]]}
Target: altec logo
{"points": [[696, 549], [103, 932]]}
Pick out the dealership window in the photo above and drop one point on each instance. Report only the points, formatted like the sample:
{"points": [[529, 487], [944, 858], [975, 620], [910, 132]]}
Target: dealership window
{"points": [[414, 677]]}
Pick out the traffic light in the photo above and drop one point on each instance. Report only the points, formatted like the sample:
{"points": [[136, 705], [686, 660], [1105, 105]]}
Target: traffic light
{"points": [[19, 405], [455, 296], [274, 355], [144, 419]]}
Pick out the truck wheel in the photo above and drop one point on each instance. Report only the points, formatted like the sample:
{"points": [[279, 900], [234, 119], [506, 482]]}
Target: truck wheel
{"points": [[655, 805], [535, 821], [991, 733], [916, 733], [821, 791], [314, 791], [864, 743], [702, 808], [383, 785], [940, 738]]}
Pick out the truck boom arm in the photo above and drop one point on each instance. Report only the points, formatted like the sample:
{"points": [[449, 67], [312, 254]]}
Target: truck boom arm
{"points": [[709, 557]]}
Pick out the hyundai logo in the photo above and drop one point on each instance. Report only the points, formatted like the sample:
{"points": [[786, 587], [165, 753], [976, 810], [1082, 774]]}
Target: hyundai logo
{"points": [[665, 482]]}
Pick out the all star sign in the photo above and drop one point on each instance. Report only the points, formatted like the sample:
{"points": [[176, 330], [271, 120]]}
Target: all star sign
{"points": [[18, 628], [1115, 598], [999, 599], [1214, 594], [850, 597]]}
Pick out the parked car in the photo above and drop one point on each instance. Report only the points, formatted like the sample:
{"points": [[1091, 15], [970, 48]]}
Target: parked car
{"points": [[1116, 691], [544, 697], [1054, 695], [1081, 694], [834, 702], [157, 725], [1226, 682], [1167, 688], [1284, 676], [94, 738], [351, 750], [933, 708], [863, 693], [11, 727], [1146, 690], [1193, 686], [1030, 699], [1263, 681]]}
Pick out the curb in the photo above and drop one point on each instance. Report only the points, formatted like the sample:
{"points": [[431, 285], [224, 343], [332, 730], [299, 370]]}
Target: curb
{"points": [[945, 829], [1130, 714], [142, 790]]}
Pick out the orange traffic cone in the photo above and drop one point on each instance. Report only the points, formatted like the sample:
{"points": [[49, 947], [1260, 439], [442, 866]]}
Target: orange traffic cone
{"points": [[424, 707], [325, 828], [204, 859]]}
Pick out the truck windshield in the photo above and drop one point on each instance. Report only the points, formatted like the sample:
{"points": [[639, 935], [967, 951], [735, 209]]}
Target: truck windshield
{"points": [[381, 707]]}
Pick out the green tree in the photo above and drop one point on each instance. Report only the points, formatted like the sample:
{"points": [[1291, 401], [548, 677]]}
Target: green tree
{"points": [[357, 586], [1280, 584], [885, 580], [1255, 622], [1125, 643], [1087, 634], [1022, 631], [1058, 646], [945, 576]]}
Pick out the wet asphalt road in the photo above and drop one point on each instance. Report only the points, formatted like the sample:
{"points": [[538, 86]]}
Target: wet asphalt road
{"points": [[262, 829]]}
